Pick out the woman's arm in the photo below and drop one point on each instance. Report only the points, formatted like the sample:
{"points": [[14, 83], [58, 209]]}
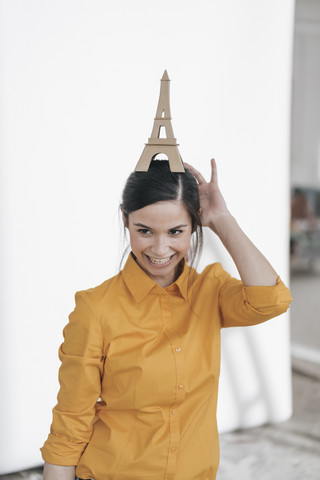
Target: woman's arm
{"points": [[58, 472], [253, 267], [82, 358]]}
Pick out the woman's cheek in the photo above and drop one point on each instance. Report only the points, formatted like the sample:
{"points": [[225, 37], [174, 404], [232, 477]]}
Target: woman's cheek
{"points": [[140, 243]]}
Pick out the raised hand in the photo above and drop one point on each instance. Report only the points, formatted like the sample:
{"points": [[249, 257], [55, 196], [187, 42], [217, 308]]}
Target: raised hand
{"points": [[212, 203], [253, 267]]}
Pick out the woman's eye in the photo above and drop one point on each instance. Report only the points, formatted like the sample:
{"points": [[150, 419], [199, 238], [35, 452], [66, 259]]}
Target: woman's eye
{"points": [[144, 231], [175, 232]]}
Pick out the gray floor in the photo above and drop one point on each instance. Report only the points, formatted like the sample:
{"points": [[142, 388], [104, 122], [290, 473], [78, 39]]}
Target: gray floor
{"points": [[286, 451]]}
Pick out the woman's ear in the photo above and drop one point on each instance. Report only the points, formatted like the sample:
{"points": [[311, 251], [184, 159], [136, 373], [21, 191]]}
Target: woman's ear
{"points": [[124, 218]]}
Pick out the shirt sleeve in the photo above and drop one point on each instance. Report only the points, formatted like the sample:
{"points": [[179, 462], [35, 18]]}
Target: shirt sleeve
{"points": [[82, 361], [244, 306]]}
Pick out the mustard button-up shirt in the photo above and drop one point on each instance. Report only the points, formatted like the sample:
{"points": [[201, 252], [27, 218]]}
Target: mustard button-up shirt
{"points": [[140, 369]]}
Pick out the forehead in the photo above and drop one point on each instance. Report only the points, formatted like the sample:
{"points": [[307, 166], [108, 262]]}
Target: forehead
{"points": [[166, 214]]}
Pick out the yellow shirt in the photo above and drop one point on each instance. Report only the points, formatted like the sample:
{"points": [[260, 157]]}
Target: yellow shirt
{"points": [[154, 362]]}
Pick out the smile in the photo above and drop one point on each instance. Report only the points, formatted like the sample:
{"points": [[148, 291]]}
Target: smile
{"points": [[159, 261]]}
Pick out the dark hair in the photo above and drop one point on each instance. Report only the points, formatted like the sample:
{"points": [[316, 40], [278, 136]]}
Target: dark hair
{"points": [[160, 184]]}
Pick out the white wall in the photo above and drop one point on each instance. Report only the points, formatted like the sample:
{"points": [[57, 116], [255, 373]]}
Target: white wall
{"points": [[78, 93]]}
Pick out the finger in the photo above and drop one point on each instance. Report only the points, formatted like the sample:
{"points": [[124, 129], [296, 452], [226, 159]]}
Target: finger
{"points": [[196, 174], [214, 172]]}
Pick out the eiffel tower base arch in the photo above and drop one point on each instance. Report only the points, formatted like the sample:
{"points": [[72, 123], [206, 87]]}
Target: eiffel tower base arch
{"points": [[150, 151]]}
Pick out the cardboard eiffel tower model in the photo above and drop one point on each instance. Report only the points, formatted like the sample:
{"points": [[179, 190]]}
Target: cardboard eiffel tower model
{"points": [[157, 145]]}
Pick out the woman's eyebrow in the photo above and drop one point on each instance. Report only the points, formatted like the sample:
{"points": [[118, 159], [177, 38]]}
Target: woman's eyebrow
{"points": [[178, 226], [149, 228], [141, 225]]}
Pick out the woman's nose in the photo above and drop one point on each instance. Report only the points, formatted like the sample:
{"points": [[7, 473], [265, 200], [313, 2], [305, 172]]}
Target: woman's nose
{"points": [[160, 246]]}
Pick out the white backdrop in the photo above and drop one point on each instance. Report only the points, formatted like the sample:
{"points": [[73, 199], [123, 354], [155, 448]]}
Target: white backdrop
{"points": [[79, 87]]}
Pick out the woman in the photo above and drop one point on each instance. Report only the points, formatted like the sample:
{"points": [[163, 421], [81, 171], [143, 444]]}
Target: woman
{"points": [[147, 341]]}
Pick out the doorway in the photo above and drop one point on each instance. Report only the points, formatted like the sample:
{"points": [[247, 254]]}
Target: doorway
{"points": [[305, 188]]}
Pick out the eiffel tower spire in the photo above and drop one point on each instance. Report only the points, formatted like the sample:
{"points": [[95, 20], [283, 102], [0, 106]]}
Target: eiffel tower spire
{"points": [[156, 144]]}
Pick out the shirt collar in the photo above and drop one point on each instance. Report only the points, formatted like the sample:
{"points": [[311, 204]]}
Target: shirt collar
{"points": [[140, 284]]}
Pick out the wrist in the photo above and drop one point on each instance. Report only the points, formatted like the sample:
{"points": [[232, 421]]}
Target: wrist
{"points": [[219, 223], [58, 472]]}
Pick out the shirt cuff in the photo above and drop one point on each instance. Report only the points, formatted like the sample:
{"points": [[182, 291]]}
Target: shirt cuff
{"points": [[267, 296], [58, 451]]}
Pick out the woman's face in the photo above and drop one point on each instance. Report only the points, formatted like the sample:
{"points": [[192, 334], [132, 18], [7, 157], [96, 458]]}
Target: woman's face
{"points": [[160, 237]]}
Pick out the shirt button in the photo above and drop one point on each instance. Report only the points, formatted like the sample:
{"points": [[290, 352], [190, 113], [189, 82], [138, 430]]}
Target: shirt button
{"points": [[178, 349], [173, 412], [180, 387], [172, 449]]}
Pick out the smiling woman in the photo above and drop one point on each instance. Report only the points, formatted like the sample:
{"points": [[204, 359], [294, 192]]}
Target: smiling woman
{"points": [[148, 189], [160, 238], [161, 210], [137, 399]]}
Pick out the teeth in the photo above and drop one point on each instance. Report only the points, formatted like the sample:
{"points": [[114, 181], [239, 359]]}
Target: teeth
{"points": [[159, 261]]}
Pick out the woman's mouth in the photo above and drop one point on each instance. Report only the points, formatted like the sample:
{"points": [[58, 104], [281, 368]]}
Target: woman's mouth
{"points": [[159, 261]]}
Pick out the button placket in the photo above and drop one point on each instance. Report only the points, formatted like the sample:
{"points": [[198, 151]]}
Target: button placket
{"points": [[179, 359], [179, 390], [174, 443]]}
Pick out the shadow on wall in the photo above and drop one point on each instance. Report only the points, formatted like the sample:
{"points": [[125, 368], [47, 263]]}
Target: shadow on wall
{"points": [[254, 366]]}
